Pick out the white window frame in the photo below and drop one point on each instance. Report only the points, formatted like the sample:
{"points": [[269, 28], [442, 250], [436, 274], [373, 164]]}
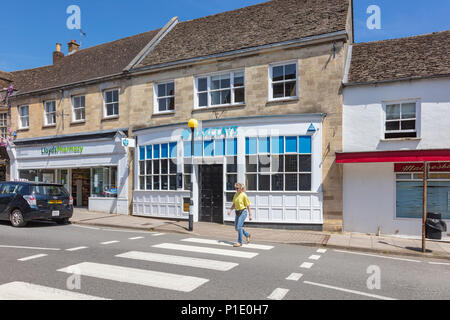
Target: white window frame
{"points": [[105, 104], [417, 119], [47, 113], [157, 98], [22, 117], [3, 125], [279, 64], [75, 109], [232, 88]]}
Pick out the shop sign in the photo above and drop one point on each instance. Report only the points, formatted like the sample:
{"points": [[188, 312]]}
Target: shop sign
{"points": [[216, 132], [48, 151], [418, 167], [128, 143]]}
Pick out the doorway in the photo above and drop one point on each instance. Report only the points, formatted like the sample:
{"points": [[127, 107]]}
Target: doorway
{"points": [[81, 187], [211, 193]]}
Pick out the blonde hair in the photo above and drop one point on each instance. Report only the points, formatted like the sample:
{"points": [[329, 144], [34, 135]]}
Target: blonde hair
{"points": [[240, 185]]}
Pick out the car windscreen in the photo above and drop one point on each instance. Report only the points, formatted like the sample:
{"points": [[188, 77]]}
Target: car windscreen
{"points": [[51, 191]]}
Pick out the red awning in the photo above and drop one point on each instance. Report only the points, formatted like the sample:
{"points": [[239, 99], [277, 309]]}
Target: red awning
{"points": [[394, 156]]}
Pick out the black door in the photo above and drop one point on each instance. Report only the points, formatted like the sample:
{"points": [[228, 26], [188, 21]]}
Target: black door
{"points": [[211, 193]]}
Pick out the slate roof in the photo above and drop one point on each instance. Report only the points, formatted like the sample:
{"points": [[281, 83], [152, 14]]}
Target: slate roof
{"points": [[5, 79], [262, 24], [99, 61], [405, 58]]}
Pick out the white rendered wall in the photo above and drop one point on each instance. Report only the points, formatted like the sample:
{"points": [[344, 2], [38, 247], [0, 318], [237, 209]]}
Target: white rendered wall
{"points": [[363, 115]]}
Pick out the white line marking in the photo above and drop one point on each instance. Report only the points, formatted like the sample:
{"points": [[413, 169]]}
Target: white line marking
{"points": [[33, 257], [136, 238], [84, 227], [350, 291], [232, 253], [295, 276], [182, 261], [30, 248], [306, 265], [322, 250], [227, 243], [377, 256], [441, 263], [28, 291], [278, 294], [137, 276], [76, 249], [314, 257], [110, 242], [157, 234]]}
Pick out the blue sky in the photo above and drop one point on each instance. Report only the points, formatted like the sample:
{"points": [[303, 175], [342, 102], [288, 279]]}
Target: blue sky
{"points": [[32, 28]]}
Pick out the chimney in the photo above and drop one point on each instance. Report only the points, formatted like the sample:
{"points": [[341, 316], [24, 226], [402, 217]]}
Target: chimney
{"points": [[73, 47], [57, 55]]}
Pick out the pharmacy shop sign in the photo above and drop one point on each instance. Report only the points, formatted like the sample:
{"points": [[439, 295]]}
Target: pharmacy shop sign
{"points": [[61, 150]]}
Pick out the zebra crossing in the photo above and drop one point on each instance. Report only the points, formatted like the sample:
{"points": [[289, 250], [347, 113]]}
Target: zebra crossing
{"points": [[213, 257]]}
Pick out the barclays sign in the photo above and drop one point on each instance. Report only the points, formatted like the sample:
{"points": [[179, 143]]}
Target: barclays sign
{"points": [[213, 133]]}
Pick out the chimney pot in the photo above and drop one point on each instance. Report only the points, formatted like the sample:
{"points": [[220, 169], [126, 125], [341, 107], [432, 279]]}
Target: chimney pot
{"points": [[73, 47], [57, 55]]}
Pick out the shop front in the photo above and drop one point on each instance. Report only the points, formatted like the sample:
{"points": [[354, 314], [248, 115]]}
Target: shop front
{"points": [[278, 158], [92, 167]]}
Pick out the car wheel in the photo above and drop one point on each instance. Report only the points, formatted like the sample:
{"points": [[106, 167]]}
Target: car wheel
{"points": [[62, 221], [17, 219]]}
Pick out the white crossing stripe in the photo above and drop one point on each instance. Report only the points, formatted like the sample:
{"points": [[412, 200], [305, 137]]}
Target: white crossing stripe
{"points": [[322, 250], [30, 248], [182, 261], [28, 291], [306, 265], [136, 238], [76, 249], [349, 291], [278, 294], [231, 253], [295, 276], [440, 263], [227, 243], [158, 234], [148, 278], [314, 257], [33, 257], [377, 256], [110, 242]]}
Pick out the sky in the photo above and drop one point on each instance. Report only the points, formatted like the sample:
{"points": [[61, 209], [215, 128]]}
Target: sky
{"points": [[31, 28]]}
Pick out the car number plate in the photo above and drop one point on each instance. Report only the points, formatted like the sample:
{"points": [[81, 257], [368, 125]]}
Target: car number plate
{"points": [[55, 213], [55, 202]]}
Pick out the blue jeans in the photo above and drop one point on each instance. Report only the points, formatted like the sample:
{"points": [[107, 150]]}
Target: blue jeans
{"points": [[239, 225]]}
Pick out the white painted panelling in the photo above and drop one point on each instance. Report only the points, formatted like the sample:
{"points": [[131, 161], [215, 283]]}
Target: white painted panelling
{"points": [[160, 204]]}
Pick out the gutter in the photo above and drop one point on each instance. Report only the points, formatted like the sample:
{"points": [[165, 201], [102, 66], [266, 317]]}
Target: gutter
{"points": [[354, 84]]}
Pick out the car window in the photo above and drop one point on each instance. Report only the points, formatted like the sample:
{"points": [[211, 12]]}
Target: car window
{"points": [[52, 191], [9, 188]]}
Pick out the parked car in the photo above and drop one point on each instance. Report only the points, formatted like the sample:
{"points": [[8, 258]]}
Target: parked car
{"points": [[21, 202]]}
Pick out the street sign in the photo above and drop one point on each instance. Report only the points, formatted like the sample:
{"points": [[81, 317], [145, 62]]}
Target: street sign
{"points": [[128, 143]]}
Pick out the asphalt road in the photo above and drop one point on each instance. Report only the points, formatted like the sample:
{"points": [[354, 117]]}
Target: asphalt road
{"points": [[45, 260]]}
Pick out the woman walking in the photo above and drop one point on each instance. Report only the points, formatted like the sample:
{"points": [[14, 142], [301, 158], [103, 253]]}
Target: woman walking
{"points": [[241, 204]]}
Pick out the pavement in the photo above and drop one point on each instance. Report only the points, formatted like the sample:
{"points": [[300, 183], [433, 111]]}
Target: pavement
{"points": [[384, 244]]}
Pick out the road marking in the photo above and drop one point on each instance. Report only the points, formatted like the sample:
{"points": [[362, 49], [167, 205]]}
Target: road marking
{"points": [[28, 291], [227, 243], [182, 261], [137, 276], [33, 257], [110, 242], [232, 253], [295, 276], [157, 234], [322, 250], [76, 249], [84, 227], [306, 265], [314, 257], [136, 238], [278, 294], [30, 248], [377, 256], [349, 291], [441, 263]]}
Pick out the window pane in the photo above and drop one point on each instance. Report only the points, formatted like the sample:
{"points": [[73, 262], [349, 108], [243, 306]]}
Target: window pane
{"points": [[215, 82], [264, 182], [171, 104], [291, 163], [164, 182], [142, 168], [239, 79], [278, 90], [109, 110], [290, 90], [409, 125], [116, 109], [231, 181], [142, 182], [155, 182], [231, 164], [203, 100], [108, 96], [170, 89], [173, 165], [393, 112], [155, 166], [239, 95], [408, 111], [173, 182], [305, 163], [149, 183], [290, 72], [164, 166], [277, 182], [215, 98], [225, 82], [162, 92], [116, 96], [225, 97], [202, 84], [392, 125], [291, 182], [162, 104], [149, 166], [187, 167], [277, 73], [187, 182], [264, 163], [251, 163], [251, 182], [304, 182], [277, 163]]}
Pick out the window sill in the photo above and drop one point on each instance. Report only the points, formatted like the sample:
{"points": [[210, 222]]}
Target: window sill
{"points": [[78, 122], [110, 118], [400, 139], [274, 101], [47, 126], [163, 113], [23, 129], [221, 107]]}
